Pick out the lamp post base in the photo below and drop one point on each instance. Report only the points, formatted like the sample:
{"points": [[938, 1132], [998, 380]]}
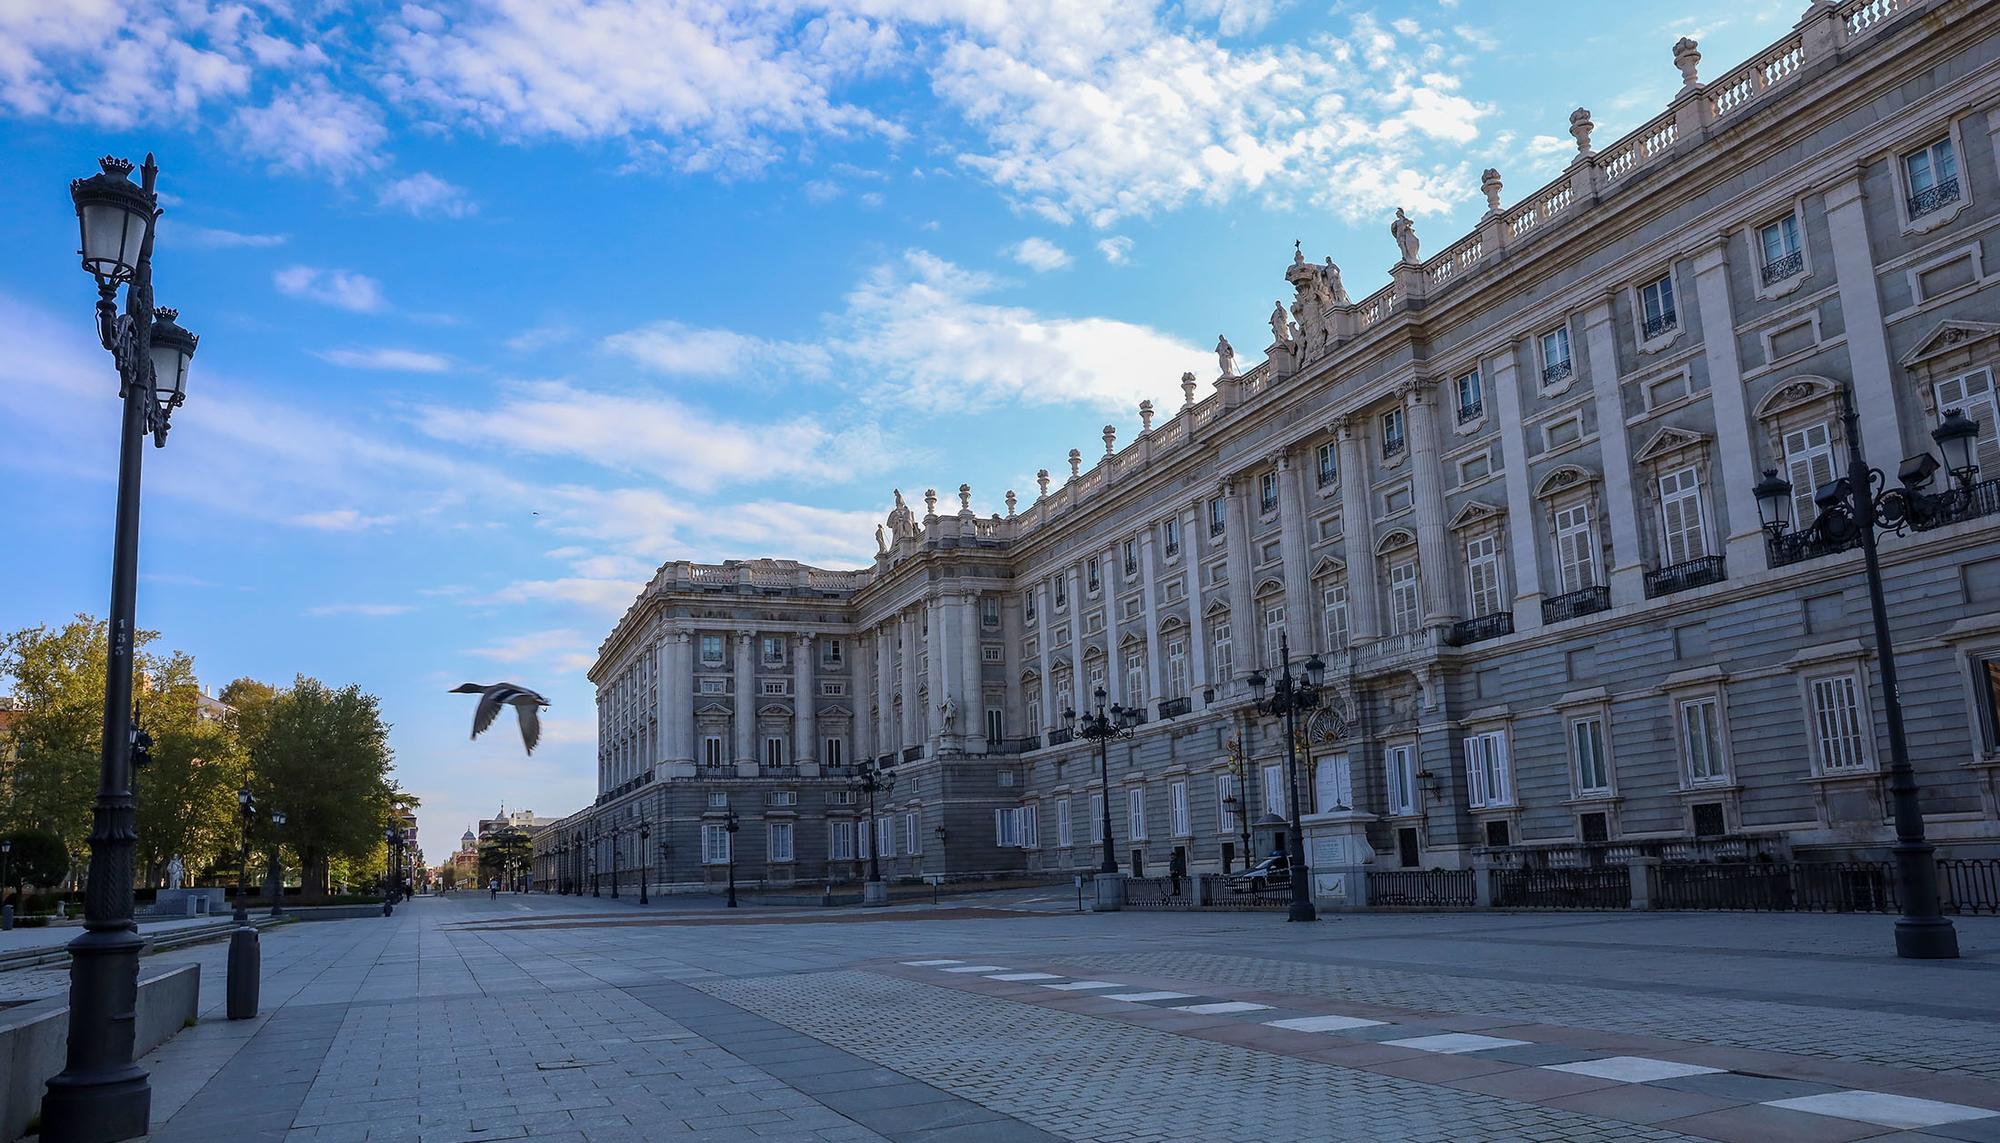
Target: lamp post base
{"points": [[92, 1109], [875, 893], [1302, 911], [103, 1094], [1929, 939]]}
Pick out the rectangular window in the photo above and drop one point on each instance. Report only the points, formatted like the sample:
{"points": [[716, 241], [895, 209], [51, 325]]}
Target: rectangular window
{"points": [[781, 841], [1135, 805], [1973, 395], [774, 649], [1177, 668], [782, 798], [910, 834], [1135, 679], [1267, 492], [711, 750], [1218, 517], [1177, 805], [1065, 837], [833, 752], [1034, 713], [774, 752], [1471, 396], [1170, 535], [1226, 803], [832, 688], [1399, 774], [1392, 433], [1093, 672], [718, 799], [840, 841], [1062, 592], [711, 650], [1556, 364], [1482, 573], [1683, 529], [1031, 826], [1028, 606], [1488, 783], [1329, 464], [1809, 465], [1092, 580], [1779, 244], [1656, 305], [989, 611], [1986, 685], [1274, 790], [1096, 819], [885, 836], [1222, 663], [1405, 610], [862, 841], [830, 652], [1576, 548], [714, 844], [1274, 631], [994, 725], [1333, 600], [1131, 557], [1586, 748], [1701, 741], [1933, 177], [1836, 724]]}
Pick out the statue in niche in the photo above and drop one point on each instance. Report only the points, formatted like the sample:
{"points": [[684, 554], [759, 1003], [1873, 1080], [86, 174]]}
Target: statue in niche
{"points": [[1225, 356], [1405, 233], [948, 716]]}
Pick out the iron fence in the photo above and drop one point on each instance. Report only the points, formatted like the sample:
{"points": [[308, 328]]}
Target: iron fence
{"points": [[1421, 889], [1777, 886], [1681, 576], [1969, 884], [1159, 893], [1609, 887], [1217, 892]]}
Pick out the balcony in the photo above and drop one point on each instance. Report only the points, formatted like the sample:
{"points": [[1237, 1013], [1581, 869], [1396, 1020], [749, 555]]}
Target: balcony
{"points": [[1569, 605], [1061, 735], [1469, 411], [1943, 508], [912, 753], [1934, 198], [1684, 575], [1660, 325], [1779, 269], [1014, 745], [1175, 707], [1481, 628], [1556, 371], [1811, 544], [1217, 527]]}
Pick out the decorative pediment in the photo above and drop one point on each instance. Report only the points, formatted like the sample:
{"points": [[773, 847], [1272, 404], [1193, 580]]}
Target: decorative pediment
{"points": [[1172, 623], [1219, 607], [1031, 675], [1795, 392], [1132, 639], [1565, 478], [1668, 441], [1949, 337], [1093, 651], [1475, 513], [1329, 565], [833, 712], [1269, 587], [1393, 539], [714, 709], [775, 710]]}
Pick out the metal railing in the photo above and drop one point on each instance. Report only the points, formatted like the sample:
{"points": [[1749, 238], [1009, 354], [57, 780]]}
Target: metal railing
{"points": [[1605, 887], [1934, 198], [1218, 894], [1696, 572], [1175, 707], [1969, 884], [1810, 544], [1556, 371], [1061, 735], [1981, 499], [1158, 893], [1660, 325], [1014, 745], [1470, 410], [912, 753], [1482, 627], [1778, 269], [1569, 605], [1777, 886], [1421, 889]]}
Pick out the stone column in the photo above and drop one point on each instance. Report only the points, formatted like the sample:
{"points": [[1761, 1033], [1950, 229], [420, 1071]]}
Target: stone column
{"points": [[1149, 615], [682, 740], [1357, 534], [911, 721], [1013, 634], [1734, 444], [1874, 373], [861, 661], [805, 703], [1435, 562], [1293, 545], [972, 707], [746, 699], [1114, 655], [1621, 509], [1242, 618], [937, 659], [1197, 567], [1078, 685], [888, 738], [1522, 531], [1050, 715]]}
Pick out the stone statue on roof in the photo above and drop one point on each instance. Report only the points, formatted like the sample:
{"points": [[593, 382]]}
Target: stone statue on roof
{"points": [[1405, 233], [1225, 356]]}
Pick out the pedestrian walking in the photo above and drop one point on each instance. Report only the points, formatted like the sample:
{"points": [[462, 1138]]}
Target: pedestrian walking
{"points": [[1177, 868]]}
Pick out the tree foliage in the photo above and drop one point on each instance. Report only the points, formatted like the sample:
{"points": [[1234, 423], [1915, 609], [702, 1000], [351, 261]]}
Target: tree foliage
{"points": [[37, 858], [504, 852], [187, 795], [321, 755]]}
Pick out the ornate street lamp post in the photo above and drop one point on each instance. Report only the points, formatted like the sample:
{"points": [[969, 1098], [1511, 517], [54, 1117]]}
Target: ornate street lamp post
{"points": [[1238, 801], [1850, 509], [596, 865], [873, 780], [1101, 726], [277, 865], [615, 859], [645, 855], [246, 804], [101, 1093], [730, 824], [1291, 696]]}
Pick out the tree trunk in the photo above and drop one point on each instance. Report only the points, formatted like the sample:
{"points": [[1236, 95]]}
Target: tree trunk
{"points": [[312, 874]]}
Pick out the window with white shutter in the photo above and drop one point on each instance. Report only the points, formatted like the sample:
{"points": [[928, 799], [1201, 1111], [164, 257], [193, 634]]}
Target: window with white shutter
{"points": [[840, 841], [1836, 724], [1226, 803], [1482, 574], [1177, 668], [1808, 465], [1488, 784], [781, 841], [863, 839], [1135, 678], [1178, 808], [885, 836], [1683, 529], [1333, 599], [1405, 611], [714, 844], [1065, 835], [1135, 802], [910, 834], [1586, 739], [1274, 791], [1096, 819], [1399, 773], [1222, 661], [1031, 826], [1274, 631], [1576, 548], [1701, 741]]}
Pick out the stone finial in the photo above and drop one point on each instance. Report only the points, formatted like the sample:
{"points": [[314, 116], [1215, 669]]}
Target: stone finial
{"points": [[1075, 463], [1145, 417], [1490, 183], [1580, 127], [1041, 483], [1110, 439], [930, 501], [1011, 500], [965, 498], [1187, 388], [1687, 57]]}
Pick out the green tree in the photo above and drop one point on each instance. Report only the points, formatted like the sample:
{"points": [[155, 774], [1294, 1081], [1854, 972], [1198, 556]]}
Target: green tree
{"points": [[187, 796], [503, 853], [322, 755], [37, 858]]}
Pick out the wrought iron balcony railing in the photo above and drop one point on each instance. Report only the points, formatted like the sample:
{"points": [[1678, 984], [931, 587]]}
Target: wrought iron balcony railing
{"points": [[1175, 707], [1556, 371], [1684, 575], [1934, 198], [1779, 269], [1482, 627], [1569, 605], [1659, 325]]}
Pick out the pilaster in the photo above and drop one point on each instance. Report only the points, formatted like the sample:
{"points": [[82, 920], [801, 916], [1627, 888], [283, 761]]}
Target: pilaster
{"points": [[1197, 567], [805, 703], [745, 700], [1149, 614], [1524, 552], [1874, 373], [1733, 443], [1292, 544], [1627, 581], [1114, 655], [1434, 558], [1364, 615], [972, 706], [1242, 623]]}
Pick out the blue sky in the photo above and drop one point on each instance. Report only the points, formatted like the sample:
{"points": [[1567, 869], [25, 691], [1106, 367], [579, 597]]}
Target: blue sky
{"points": [[505, 302]]}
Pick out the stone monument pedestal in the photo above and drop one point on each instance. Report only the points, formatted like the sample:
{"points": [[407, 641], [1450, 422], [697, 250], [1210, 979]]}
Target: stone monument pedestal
{"points": [[874, 892], [1339, 854], [1109, 893]]}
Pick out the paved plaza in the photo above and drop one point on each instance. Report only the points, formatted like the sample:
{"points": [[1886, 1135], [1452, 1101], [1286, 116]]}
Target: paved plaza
{"points": [[1012, 1017]]}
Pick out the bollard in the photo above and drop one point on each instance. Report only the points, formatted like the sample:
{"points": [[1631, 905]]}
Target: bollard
{"points": [[245, 967], [6, 918]]}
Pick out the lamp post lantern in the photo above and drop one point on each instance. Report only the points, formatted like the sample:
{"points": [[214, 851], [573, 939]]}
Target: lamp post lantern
{"points": [[1101, 726], [102, 1094], [1291, 696], [1850, 510], [730, 825], [277, 865], [872, 780]]}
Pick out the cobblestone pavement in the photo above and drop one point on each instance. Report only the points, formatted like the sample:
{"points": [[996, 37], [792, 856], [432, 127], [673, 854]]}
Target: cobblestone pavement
{"points": [[572, 1019]]}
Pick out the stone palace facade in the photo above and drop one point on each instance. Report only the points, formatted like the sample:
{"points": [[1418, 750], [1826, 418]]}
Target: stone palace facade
{"points": [[1508, 499]]}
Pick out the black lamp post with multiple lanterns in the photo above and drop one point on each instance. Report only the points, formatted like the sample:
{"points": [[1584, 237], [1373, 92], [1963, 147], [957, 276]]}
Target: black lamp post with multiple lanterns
{"points": [[873, 780], [102, 1093], [1291, 696], [1101, 726], [1850, 509]]}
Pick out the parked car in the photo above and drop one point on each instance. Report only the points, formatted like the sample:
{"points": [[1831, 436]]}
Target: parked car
{"points": [[1273, 872]]}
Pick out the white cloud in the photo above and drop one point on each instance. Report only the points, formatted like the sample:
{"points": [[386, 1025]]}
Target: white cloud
{"points": [[424, 194], [680, 349], [565, 650], [1039, 255], [339, 520], [171, 233], [311, 127], [117, 65], [394, 360], [364, 610], [344, 289], [1235, 17], [1117, 249]]}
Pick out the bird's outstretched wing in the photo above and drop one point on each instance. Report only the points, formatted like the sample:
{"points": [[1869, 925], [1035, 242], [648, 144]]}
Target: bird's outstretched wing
{"points": [[489, 709], [531, 725]]}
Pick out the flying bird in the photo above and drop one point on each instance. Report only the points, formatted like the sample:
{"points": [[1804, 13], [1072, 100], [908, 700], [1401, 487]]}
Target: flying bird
{"points": [[525, 702]]}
